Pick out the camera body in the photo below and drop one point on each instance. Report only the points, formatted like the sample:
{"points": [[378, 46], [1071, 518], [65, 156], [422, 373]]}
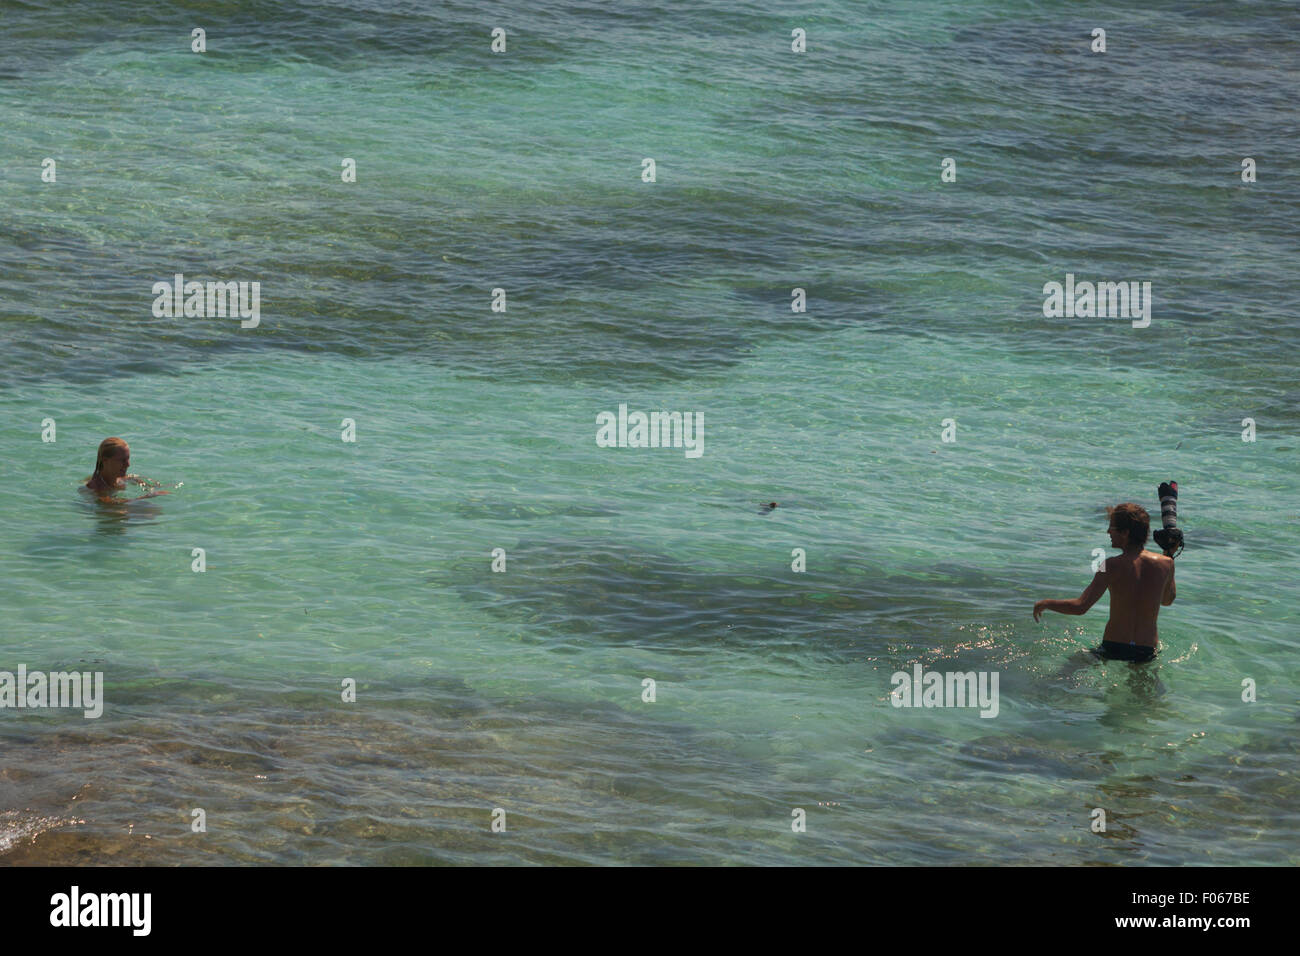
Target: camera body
{"points": [[1169, 537]]}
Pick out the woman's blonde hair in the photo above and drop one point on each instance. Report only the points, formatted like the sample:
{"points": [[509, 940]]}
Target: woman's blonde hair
{"points": [[108, 448]]}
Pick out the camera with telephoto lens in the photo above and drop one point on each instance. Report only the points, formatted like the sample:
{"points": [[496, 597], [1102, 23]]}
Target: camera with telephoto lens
{"points": [[1170, 537]]}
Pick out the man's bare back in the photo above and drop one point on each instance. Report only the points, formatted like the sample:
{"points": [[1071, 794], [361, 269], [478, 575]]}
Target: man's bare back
{"points": [[1140, 583]]}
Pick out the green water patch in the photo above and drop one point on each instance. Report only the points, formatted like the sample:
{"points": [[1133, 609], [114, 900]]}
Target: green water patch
{"points": [[404, 779], [607, 590]]}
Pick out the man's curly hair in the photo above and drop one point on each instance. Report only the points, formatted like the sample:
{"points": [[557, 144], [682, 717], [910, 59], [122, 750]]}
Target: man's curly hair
{"points": [[1132, 518]]}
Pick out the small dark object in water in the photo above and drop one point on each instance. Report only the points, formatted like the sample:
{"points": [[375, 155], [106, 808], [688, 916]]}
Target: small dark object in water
{"points": [[767, 508]]}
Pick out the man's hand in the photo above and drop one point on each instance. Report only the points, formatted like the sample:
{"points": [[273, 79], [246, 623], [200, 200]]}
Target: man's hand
{"points": [[1077, 605]]}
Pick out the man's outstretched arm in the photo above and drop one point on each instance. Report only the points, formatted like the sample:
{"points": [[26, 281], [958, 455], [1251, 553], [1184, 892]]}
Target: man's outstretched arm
{"points": [[1171, 591], [1078, 605]]}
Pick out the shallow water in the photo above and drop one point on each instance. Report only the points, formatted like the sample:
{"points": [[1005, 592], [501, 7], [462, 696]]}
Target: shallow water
{"points": [[328, 560]]}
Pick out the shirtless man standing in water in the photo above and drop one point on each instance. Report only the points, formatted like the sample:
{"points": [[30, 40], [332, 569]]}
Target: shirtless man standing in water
{"points": [[110, 472], [1140, 583]]}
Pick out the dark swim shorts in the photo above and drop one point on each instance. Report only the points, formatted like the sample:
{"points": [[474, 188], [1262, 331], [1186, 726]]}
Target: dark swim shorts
{"points": [[1113, 651]]}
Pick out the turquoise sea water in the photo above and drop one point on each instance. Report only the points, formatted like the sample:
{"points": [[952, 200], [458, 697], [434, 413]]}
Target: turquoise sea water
{"points": [[475, 430]]}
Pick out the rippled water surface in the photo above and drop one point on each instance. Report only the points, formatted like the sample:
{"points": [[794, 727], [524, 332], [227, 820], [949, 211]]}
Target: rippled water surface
{"points": [[475, 430]]}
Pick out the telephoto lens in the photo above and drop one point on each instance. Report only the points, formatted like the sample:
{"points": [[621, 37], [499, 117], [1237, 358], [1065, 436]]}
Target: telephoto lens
{"points": [[1170, 537]]}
